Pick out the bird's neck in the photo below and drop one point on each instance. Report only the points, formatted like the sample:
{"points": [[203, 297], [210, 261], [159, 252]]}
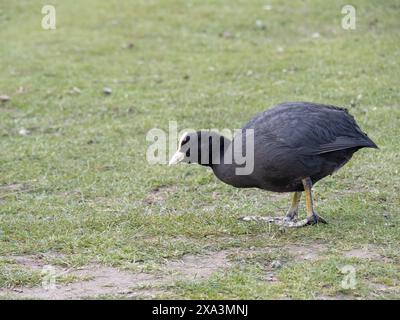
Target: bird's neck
{"points": [[227, 169]]}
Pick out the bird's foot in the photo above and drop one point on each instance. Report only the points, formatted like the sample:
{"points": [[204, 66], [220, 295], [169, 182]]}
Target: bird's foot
{"points": [[287, 221], [310, 220], [276, 220], [315, 218]]}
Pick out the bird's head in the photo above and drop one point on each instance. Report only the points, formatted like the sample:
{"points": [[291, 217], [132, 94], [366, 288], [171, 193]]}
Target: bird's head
{"points": [[202, 147]]}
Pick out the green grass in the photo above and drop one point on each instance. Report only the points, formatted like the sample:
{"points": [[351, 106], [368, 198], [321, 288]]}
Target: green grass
{"points": [[79, 185]]}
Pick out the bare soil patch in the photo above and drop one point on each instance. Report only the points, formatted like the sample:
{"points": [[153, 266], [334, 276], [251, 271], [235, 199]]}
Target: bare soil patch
{"points": [[363, 253], [100, 281], [11, 187], [97, 280], [158, 195], [199, 267], [306, 252], [337, 297]]}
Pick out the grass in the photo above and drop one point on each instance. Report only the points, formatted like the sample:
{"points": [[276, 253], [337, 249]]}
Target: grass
{"points": [[78, 184]]}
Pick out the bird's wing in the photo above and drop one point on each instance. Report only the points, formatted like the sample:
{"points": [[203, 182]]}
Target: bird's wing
{"points": [[343, 142], [315, 129]]}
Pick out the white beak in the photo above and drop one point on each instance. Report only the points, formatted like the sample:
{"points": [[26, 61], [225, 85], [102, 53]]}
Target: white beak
{"points": [[177, 157]]}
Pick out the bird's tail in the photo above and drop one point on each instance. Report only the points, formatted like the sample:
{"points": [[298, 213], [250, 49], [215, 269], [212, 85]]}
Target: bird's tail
{"points": [[369, 143]]}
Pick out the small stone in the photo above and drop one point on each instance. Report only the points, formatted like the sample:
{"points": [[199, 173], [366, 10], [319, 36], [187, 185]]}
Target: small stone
{"points": [[386, 215], [128, 46], [75, 90], [107, 90], [267, 7], [270, 277], [315, 35], [276, 264], [23, 132], [4, 98], [260, 24]]}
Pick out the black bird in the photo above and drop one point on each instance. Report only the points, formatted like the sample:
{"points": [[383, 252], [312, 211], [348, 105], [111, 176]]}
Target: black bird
{"points": [[296, 144]]}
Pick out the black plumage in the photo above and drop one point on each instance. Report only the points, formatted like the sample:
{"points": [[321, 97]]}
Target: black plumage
{"points": [[295, 145]]}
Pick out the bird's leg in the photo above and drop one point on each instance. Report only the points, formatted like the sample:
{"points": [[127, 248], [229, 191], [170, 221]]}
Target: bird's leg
{"points": [[312, 216], [290, 220], [291, 215], [294, 208]]}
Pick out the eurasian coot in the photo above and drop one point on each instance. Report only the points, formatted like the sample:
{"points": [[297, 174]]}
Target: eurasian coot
{"points": [[295, 144]]}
